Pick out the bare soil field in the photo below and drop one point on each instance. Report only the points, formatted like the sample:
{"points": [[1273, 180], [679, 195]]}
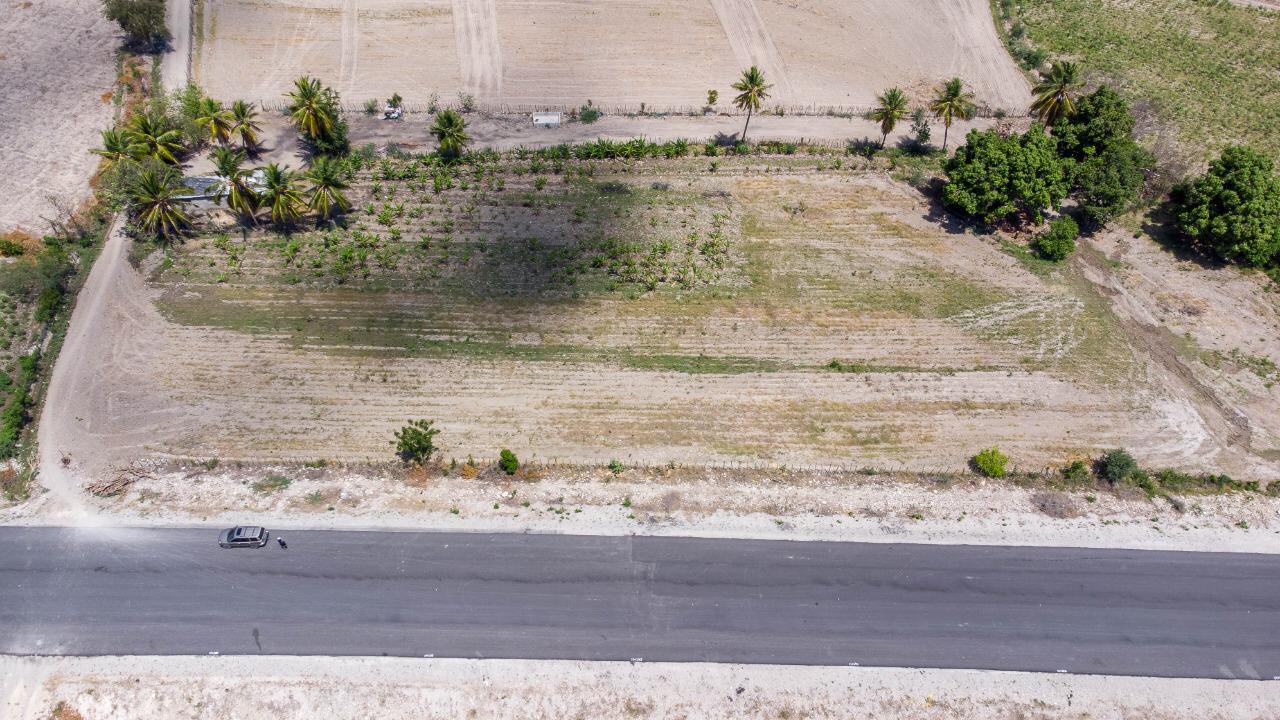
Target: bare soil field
{"points": [[776, 310], [664, 53], [147, 688], [57, 72]]}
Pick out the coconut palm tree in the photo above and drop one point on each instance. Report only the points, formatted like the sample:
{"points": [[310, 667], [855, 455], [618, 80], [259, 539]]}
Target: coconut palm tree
{"points": [[117, 147], [892, 108], [155, 198], [311, 108], [327, 184], [154, 137], [451, 130], [1056, 93], [212, 117], [243, 125], [233, 186], [752, 92], [280, 193], [951, 102]]}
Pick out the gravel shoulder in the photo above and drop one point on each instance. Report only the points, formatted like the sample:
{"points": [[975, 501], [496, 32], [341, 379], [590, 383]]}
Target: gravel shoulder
{"points": [[143, 688]]}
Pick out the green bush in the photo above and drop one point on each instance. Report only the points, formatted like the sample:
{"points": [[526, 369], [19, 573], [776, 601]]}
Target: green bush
{"points": [[1105, 165], [1059, 241], [1233, 209], [415, 442], [508, 462], [1077, 473], [141, 20], [990, 462], [1117, 466], [271, 484], [588, 114]]}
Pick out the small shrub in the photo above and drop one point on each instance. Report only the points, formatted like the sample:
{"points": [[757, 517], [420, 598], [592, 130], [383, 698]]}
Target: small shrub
{"points": [[1077, 473], [1059, 241], [588, 114], [1117, 466], [1055, 504], [990, 462], [10, 247], [370, 106], [616, 467], [415, 442], [713, 96], [508, 462], [271, 484]]}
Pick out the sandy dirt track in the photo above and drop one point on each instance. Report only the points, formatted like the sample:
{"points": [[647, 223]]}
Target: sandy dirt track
{"points": [[150, 688], [666, 53], [55, 66]]}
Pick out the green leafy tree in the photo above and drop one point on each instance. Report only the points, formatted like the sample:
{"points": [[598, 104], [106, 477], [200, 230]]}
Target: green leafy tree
{"points": [[1056, 92], [1105, 166], [952, 102], [993, 177], [142, 21], [244, 125], [752, 92], [156, 203], [280, 193], [117, 147], [233, 186], [508, 462], [154, 137], [450, 130], [1117, 466], [1059, 241], [1234, 208], [891, 107], [415, 442], [215, 119], [327, 179]]}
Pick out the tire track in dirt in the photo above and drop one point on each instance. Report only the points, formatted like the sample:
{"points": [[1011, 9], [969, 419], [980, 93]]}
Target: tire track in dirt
{"points": [[350, 34], [475, 27], [752, 44], [1228, 425]]}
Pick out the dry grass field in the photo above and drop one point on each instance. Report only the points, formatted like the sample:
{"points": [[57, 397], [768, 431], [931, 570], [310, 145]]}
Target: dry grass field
{"points": [[773, 310], [665, 53]]}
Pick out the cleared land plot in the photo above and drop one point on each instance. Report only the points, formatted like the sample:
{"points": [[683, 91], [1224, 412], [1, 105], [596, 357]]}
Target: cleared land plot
{"points": [[523, 317], [1208, 68], [56, 76], [666, 53]]}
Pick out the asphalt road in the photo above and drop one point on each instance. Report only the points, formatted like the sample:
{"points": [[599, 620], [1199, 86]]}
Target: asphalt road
{"points": [[555, 596]]}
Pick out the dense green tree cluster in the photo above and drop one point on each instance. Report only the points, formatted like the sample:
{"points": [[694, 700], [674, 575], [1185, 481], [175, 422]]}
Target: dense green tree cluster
{"points": [[1233, 210], [1104, 164], [141, 20], [994, 177]]}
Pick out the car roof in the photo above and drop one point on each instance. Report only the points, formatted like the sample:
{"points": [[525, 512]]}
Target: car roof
{"points": [[247, 531]]}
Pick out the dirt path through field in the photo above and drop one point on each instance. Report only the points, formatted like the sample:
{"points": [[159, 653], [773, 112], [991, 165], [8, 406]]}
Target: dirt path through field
{"points": [[475, 24], [98, 407], [753, 45], [350, 46]]}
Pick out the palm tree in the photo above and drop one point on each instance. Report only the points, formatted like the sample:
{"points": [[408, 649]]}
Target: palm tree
{"points": [[950, 102], [243, 125], [451, 130], [1055, 94], [157, 203], [233, 182], [154, 138], [310, 108], [752, 92], [215, 119], [280, 193], [892, 108], [117, 147], [327, 185]]}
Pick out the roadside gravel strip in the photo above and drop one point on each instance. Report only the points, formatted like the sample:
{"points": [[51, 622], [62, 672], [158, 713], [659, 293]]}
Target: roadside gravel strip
{"points": [[1116, 612]]}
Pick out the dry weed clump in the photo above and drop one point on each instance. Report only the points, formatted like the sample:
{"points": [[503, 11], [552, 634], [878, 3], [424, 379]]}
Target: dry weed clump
{"points": [[63, 711], [1055, 504]]}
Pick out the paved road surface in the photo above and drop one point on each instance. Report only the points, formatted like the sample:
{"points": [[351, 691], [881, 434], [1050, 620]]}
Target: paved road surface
{"points": [[548, 596]]}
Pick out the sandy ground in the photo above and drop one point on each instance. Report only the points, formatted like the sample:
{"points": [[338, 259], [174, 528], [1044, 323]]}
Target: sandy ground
{"points": [[56, 71], [665, 53], [146, 688]]}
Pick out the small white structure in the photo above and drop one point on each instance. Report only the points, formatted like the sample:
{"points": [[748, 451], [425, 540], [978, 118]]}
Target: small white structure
{"points": [[546, 119]]}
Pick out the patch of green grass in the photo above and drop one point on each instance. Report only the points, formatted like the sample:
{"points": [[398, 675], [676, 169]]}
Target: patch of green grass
{"points": [[1034, 264], [271, 484], [1209, 68]]}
